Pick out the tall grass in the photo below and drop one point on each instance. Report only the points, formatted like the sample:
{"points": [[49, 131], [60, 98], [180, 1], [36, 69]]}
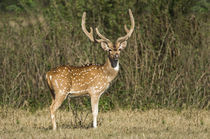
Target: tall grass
{"points": [[166, 62]]}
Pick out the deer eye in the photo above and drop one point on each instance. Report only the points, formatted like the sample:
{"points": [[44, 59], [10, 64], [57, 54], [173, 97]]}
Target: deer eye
{"points": [[119, 49], [110, 50]]}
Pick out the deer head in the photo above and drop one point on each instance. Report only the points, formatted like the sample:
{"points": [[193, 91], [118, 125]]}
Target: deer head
{"points": [[113, 49]]}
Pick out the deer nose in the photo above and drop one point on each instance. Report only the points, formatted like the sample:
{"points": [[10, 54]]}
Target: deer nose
{"points": [[116, 56]]}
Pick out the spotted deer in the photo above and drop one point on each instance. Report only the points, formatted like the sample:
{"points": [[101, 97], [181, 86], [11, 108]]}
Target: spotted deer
{"points": [[91, 80]]}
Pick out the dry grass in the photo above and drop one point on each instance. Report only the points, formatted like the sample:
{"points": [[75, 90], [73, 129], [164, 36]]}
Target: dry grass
{"points": [[16, 123]]}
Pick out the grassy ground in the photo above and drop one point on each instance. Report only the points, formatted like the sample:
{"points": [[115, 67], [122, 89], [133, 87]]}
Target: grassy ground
{"points": [[16, 123]]}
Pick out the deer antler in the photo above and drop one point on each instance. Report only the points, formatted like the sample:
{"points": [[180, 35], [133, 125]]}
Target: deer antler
{"points": [[126, 29], [103, 39], [89, 34], [129, 32]]}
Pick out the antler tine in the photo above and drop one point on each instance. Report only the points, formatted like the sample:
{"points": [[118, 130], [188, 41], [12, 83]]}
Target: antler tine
{"points": [[129, 32], [89, 34], [126, 28], [102, 37]]}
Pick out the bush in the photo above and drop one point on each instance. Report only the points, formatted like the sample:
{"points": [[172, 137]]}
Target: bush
{"points": [[164, 65]]}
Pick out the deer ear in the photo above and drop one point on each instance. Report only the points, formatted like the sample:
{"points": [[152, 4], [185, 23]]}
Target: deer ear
{"points": [[104, 46], [123, 45]]}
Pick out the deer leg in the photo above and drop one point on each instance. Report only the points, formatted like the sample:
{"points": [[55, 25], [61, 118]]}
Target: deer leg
{"points": [[53, 99], [59, 98], [94, 105]]}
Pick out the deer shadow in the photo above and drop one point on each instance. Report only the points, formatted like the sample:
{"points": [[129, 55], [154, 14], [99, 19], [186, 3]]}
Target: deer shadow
{"points": [[71, 125]]}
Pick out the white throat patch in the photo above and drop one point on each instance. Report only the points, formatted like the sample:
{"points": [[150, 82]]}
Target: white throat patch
{"points": [[117, 67]]}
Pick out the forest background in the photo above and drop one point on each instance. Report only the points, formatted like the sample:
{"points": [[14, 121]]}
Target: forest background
{"points": [[165, 65]]}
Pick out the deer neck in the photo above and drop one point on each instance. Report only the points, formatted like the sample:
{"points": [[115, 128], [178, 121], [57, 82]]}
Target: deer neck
{"points": [[111, 68]]}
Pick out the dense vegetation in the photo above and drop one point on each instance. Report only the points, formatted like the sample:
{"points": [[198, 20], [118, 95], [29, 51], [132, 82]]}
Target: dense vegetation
{"points": [[166, 62]]}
